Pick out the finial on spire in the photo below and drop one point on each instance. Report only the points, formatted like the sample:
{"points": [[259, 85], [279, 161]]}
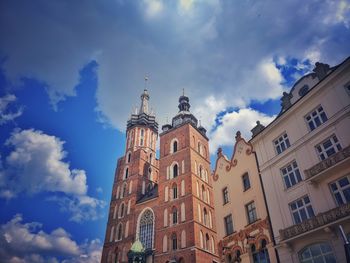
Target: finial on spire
{"points": [[183, 91], [146, 79]]}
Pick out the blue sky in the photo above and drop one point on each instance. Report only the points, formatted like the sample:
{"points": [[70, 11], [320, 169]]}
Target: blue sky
{"points": [[71, 73]]}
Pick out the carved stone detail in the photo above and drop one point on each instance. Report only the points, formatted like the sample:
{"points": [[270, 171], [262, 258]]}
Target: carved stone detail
{"points": [[327, 163], [320, 220]]}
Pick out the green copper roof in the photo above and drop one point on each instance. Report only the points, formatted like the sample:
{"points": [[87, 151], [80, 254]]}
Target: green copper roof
{"points": [[137, 247]]}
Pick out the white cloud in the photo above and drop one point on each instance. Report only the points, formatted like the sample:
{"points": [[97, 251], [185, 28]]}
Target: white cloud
{"points": [[242, 120], [28, 243], [36, 164], [218, 47], [153, 7], [6, 114]]}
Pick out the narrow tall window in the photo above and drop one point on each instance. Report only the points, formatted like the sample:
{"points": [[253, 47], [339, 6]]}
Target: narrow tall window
{"points": [[175, 170], [329, 147], [174, 241], [126, 174], [291, 174], [281, 143], [119, 231], [142, 135], [129, 157], [301, 209], [341, 190], [174, 191], [251, 212], [316, 118], [205, 217], [174, 214], [228, 224], [175, 146], [225, 195], [246, 181]]}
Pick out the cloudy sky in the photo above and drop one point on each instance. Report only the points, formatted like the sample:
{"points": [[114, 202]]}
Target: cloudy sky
{"points": [[71, 72]]}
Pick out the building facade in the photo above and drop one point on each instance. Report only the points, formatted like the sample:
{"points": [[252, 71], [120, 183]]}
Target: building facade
{"points": [[304, 162], [162, 210], [243, 225]]}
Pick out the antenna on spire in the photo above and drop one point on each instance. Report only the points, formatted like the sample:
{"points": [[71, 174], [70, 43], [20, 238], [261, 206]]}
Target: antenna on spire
{"points": [[183, 91], [146, 79]]}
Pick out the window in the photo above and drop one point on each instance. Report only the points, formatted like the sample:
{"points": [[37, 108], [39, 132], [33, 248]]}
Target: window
{"points": [[303, 90], [174, 241], [121, 210], [301, 209], [174, 146], [341, 190], [126, 174], [174, 215], [207, 244], [251, 212], [282, 143], [204, 194], [262, 255], [142, 137], [225, 195], [119, 231], [174, 191], [129, 157], [205, 217], [246, 181], [123, 194], [146, 225], [321, 252], [175, 170], [228, 224], [316, 118], [328, 147], [291, 174]]}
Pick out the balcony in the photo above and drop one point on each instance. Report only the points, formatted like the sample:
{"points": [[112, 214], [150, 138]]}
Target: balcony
{"points": [[322, 220], [338, 160]]}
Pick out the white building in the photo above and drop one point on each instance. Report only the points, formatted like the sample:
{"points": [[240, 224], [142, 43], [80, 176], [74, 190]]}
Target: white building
{"points": [[304, 161]]}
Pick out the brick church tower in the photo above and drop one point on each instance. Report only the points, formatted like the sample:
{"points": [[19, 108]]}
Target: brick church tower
{"points": [[162, 210]]}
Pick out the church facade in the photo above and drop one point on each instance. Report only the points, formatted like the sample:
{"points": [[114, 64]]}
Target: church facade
{"points": [[162, 210]]}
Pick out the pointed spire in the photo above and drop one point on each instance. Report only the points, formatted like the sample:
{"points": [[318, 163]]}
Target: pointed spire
{"points": [[144, 102]]}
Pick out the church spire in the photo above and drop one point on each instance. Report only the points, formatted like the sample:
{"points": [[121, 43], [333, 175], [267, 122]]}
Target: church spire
{"points": [[144, 102]]}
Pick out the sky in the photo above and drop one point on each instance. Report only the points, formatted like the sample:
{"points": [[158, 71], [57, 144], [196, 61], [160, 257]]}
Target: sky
{"points": [[71, 72]]}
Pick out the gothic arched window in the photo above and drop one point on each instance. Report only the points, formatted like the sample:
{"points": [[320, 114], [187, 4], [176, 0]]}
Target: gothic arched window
{"points": [[174, 241], [174, 147], [119, 232], [146, 225], [126, 173], [174, 215], [129, 157], [174, 190], [175, 170]]}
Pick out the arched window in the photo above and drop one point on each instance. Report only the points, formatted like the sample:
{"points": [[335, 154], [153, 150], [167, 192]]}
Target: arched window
{"points": [[121, 210], [165, 243], [146, 229], [204, 194], [212, 245], [174, 215], [183, 239], [111, 234], [149, 176], [119, 232], [123, 193], [303, 90], [174, 191], [166, 194], [183, 212], [262, 255], [320, 252], [175, 170], [205, 217], [142, 136], [150, 158], [207, 245], [200, 171], [128, 158], [201, 239], [174, 241], [174, 146], [115, 212], [165, 217], [126, 173], [182, 187]]}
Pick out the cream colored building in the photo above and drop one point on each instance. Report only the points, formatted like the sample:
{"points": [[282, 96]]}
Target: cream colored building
{"points": [[240, 211], [304, 160]]}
